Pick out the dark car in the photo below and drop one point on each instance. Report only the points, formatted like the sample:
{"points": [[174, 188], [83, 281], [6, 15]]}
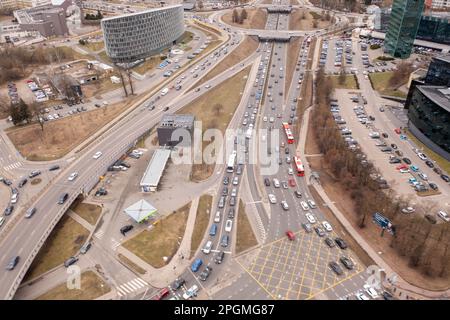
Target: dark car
{"points": [[445, 177], [406, 160], [267, 182], [307, 227], [22, 182], [297, 194], [63, 198], [399, 153], [387, 296], [70, 261], [429, 164], [319, 231], [101, 192], [395, 160], [336, 268], [433, 186], [126, 229], [385, 135], [205, 273], [225, 191], [394, 146], [13, 263], [329, 242], [9, 209], [231, 213], [226, 180], [7, 182], [341, 243], [347, 263], [224, 241], [177, 284], [219, 257], [431, 219], [53, 168], [437, 170], [166, 108]]}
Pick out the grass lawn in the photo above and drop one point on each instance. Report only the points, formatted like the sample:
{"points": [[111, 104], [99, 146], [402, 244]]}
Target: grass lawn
{"points": [[148, 64], [201, 222], [94, 46], [442, 163], [92, 287], [162, 240], [130, 264], [217, 118], [380, 83], [350, 82], [292, 55], [297, 23], [87, 211], [245, 236], [247, 47], [63, 135], [256, 19], [75, 55], [65, 240], [104, 57]]}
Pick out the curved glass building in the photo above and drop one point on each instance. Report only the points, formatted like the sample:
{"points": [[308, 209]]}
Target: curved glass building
{"points": [[135, 36]]}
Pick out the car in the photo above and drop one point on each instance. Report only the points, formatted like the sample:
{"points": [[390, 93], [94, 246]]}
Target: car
{"points": [[311, 204], [196, 265], [235, 181], [292, 182], [443, 215], [22, 182], [232, 201], [7, 182], [297, 194], [372, 292], [85, 248], [361, 296], [177, 284], [166, 108], [290, 235], [63, 198], [445, 177], [403, 170], [336, 268], [101, 192], [226, 180], [414, 168], [437, 170], [341, 243], [70, 261], [73, 176], [347, 262], [407, 161], [207, 248], [34, 173], [310, 218], [126, 229], [30, 212], [191, 292], [219, 257], [422, 156], [276, 183], [433, 186], [231, 213], [387, 296], [319, 231], [307, 227], [224, 241], [423, 176], [13, 263], [431, 219], [9, 209], [429, 164], [284, 205], [267, 182], [304, 205], [272, 198], [97, 155], [228, 225], [161, 294], [327, 226], [329, 242], [408, 210]]}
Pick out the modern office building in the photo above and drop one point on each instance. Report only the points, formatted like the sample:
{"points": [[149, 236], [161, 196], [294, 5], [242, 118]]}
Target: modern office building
{"points": [[429, 117], [434, 28], [403, 26], [439, 71], [169, 124], [440, 4], [136, 36]]}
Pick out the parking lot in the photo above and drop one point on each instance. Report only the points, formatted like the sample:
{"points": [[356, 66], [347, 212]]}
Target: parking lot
{"points": [[298, 269]]}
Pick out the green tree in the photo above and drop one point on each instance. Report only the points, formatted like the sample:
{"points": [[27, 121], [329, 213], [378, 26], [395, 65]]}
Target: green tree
{"points": [[24, 111], [15, 115], [342, 76]]}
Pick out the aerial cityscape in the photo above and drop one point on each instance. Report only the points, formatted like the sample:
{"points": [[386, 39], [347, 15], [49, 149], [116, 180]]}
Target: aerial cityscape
{"points": [[225, 150]]}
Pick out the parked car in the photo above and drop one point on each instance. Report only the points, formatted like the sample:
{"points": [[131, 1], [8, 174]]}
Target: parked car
{"points": [[177, 284], [319, 231], [329, 242], [347, 262], [307, 227], [196, 265], [336, 268], [443, 215], [70, 261], [290, 235], [219, 257], [341, 243], [126, 229], [85, 248]]}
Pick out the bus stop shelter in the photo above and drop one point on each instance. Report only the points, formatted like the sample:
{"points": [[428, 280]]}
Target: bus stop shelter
{"points": [[141, 211]]}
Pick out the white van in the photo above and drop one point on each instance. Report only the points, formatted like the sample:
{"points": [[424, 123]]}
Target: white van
{"points": [[164, 91], [14, 197], [207, 248]]}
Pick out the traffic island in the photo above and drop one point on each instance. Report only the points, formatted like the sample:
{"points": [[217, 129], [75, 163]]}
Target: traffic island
{"points": [[245, 238], [201, 222]]}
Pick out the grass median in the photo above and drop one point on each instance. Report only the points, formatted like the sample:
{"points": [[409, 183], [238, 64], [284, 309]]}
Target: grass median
{"points": [[349, 82], [162, 240], [256, 19], [245, 238], [201, 221], [88, 211]]}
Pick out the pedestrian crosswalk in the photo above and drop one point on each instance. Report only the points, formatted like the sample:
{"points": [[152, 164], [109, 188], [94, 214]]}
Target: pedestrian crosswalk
{"points": [[114, 244], [99, 234], [131, 286], [12, 166]]}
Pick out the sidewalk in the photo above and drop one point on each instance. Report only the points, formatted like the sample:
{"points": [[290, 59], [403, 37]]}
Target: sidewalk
{"points": [[161, 277]]}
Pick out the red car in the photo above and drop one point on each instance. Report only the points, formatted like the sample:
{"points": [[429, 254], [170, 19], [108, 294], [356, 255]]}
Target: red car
{"points": [[292, 182], [402, 166], [290, 235], [164, 292], [397, 131]]}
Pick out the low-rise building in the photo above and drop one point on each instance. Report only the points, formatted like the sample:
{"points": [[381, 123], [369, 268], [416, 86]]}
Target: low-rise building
{"points": [[175, 129], [155, 170]]}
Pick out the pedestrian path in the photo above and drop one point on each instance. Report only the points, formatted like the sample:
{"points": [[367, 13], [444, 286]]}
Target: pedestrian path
{"points": [[131, 286], [99, 234], [12, 166]]}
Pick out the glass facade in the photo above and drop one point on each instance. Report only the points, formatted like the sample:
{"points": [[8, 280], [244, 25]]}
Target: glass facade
{"points": [[403, 25], [429, 112], [439, 72], [434, 29], [137, 36]]}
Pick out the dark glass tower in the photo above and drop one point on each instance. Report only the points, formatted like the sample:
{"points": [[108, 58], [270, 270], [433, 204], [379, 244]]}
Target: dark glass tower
{"points": [[403, 25]]}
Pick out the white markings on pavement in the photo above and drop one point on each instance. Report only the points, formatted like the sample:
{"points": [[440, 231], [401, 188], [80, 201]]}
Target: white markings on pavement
{"points": [[13, 166], [115, 244], [131, 286], [99, 234]]}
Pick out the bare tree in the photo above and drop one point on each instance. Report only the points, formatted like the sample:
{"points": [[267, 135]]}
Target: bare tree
{"points": [[122, 80], [130, 82]]}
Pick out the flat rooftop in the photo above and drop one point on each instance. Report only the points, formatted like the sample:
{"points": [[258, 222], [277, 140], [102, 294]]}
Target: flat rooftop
{"points": [[438, 94], [141, 12], [444, 57], [177, 121], [155, 168]]}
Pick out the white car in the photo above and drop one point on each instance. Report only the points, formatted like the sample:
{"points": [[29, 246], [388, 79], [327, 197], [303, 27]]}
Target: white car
{"points": [[372, 292], [290, 171], [97, 155], [284, 205], [235, 181], [276, 183], [229, 225], [272, 119], [207, 248], [404, 170], [14, 197], [422, 156], [312, 204], [217, 217], [361, 296], [304, 205], [138, 152], [73, 176], [265, 119], [327, 226], [234, 192], [444, 216], [192, 291], [272, 198], [408, 210], [310, 218]]}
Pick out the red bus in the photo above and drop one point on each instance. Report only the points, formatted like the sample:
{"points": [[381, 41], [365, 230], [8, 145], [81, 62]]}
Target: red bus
{"points": [[289, 135], [299, 166]]}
